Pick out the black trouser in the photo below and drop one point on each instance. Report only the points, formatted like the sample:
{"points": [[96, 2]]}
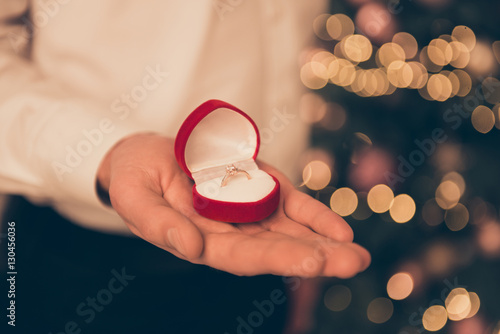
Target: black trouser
{"points": [[73, 280]]}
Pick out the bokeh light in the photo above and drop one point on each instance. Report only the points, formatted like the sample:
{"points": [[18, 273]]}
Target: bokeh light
{"points": [[339, 26], [388, 53], [458, 304], [482, 60], [407, 42], [483, 119], [344, 201], [337, 298], [464, 35], [400, 74], [357, 48], [316, 175], [314, 75], [457, 217], [400, 286], [319, 27], [432, 213], [435, 317], [380, 198], [457, 179], [402, 209], [439, 52], [465, 82], [475, 303], [447, 194], [439, 87], [376, 22], [461, 54], [380, 310]]}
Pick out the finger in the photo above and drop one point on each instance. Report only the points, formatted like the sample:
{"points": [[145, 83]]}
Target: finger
{"points": [[346, 260], [264, 253], [310, 212], [150, 217], [275, 253], [317, 216]]}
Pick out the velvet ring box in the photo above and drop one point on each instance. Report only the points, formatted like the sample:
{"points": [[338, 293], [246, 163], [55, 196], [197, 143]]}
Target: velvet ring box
{"points": [[214, 136]]}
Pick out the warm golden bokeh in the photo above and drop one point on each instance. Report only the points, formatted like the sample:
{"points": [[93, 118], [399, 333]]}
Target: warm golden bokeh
{"points": [[447, 194], [402, 209], [458, 304], [319, 27], [496, 113], [316, 175], [439, 87], [380, 198], [339, 26], [465, 82], [475, 304], [344, 201], [357, 48], [400, 286], [388, 53], [420, 75], [435, 317], [483, 119], [464, 35], [461, 55], [457, 179], [400, 74], [314, 75], [407, 42]]}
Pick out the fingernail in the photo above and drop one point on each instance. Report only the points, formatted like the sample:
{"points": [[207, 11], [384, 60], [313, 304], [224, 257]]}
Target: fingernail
{"points": [[175, 240]]}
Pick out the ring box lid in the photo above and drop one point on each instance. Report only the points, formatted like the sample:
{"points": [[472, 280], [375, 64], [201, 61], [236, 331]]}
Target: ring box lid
{"points": [[215, 134]]}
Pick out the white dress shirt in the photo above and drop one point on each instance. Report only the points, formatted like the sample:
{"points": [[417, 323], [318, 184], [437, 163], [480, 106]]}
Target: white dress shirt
{"points": [[86, 73]]}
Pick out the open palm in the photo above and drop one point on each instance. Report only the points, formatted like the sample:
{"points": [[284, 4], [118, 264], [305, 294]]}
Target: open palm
{"points": [[153, 196]]}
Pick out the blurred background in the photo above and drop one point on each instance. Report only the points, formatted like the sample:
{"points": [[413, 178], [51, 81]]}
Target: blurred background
{"points": [[405, 105]]}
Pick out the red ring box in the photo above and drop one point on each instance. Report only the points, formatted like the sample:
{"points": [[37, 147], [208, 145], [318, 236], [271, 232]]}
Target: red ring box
{"points": [[213, 136]]}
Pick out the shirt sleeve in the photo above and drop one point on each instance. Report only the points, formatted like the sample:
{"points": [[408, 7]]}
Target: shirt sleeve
{"points": [[51, 143]]}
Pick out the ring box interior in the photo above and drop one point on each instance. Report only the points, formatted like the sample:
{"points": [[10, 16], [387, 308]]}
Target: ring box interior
{"points": [[216, 135]]}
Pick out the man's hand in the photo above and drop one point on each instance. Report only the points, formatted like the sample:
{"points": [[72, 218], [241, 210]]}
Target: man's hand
{"points": [[153, 195]]}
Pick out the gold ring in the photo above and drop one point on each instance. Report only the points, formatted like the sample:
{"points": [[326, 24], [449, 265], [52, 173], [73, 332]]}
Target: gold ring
{"points": [[232, 170]]}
